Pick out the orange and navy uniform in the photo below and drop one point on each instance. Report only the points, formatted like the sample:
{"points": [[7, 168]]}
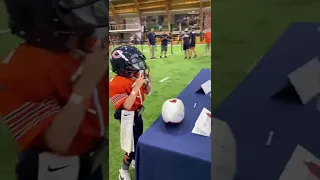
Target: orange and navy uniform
{"points": [[207, 37], [120, 88], [35, 85]]}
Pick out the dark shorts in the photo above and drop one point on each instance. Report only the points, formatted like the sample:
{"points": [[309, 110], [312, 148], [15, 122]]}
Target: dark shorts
{"points": [[192, 45], [164, 48], [186, 46]]}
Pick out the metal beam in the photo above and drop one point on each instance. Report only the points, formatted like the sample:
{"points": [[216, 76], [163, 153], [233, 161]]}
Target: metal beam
{"points": [[155, 5], [138, 10], [114, 14], [168, 15], [152, 6], [184, 3], [201, 15]]}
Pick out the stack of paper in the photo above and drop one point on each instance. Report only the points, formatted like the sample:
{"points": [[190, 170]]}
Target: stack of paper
{"points": [[203, 124], [206, 87]]}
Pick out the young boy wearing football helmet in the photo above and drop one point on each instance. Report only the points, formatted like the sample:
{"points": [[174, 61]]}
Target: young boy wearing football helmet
{"points": [[127, 91]]}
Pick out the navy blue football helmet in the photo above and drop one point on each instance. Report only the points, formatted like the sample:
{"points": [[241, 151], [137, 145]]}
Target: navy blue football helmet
{"points": [[127, 61]]}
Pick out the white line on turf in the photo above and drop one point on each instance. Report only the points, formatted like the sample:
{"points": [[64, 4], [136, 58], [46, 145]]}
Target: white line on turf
{"points": [[161, 58], [164, 79]]}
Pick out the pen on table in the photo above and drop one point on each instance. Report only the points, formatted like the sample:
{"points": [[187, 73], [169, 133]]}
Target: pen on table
{"points": [[270, 138]]}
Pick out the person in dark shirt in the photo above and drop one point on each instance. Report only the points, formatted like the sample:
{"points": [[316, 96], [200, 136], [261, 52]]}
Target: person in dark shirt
{"points": [[193, 43], [135, 38], [164, 44], [155, 40], [170, 39], [186, 44], [180, 37], [152, 43]]}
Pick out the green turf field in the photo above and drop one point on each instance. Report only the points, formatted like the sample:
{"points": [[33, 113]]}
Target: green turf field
{"points": [[242, 32]]}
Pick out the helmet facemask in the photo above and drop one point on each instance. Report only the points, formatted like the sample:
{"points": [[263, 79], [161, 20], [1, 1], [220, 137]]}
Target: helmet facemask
{"points": [[137, 66]]}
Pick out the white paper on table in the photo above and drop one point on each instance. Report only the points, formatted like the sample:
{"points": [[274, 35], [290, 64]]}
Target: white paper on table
{"points": [[297, 168], [203, 124], [309, 72], [206, 87], [126, 131]]}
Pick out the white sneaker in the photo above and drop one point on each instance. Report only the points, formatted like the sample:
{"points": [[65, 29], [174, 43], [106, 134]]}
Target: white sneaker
{"points": [[133, 164], [124, 175]]}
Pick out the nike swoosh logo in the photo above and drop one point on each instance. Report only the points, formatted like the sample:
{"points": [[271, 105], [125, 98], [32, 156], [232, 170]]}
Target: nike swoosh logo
{"points": [[57, 168], [126, 114]]}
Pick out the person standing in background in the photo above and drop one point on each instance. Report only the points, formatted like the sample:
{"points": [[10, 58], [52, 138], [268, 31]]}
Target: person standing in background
{"points": [[164, 44], [170, 39], [193, 43], [110, 44], [186, 44], [155, 39], [135, 40], [207, 38], [152, 43]]}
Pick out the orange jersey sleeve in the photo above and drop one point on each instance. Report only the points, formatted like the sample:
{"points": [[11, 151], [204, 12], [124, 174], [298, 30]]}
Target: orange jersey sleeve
{"points": [[26, 107], [118, 92], [27, 120], [31, 97], [34, 85], [120, 88]]}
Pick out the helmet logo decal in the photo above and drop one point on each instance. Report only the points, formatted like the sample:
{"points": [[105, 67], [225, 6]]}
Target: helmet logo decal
{"points": [[173, 100], [117, 54]]}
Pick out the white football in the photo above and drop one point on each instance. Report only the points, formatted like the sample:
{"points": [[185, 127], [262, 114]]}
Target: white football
{"points": [[173, 111]]}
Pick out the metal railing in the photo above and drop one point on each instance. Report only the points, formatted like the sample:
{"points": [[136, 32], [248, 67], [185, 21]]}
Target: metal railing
{"points": [[124, 27]]}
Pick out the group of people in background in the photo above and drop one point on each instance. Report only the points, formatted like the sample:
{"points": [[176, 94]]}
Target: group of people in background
{"points": [[189, 43], [188, 40], [152, 42]]}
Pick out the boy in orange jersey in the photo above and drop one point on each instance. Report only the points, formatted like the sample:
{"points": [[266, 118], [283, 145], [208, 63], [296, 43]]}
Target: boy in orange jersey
{"points": [[127, 91], [53, 88]]}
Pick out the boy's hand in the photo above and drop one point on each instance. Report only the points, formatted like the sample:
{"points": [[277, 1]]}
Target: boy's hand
{"points": [[138, 83], [94, 67]]}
